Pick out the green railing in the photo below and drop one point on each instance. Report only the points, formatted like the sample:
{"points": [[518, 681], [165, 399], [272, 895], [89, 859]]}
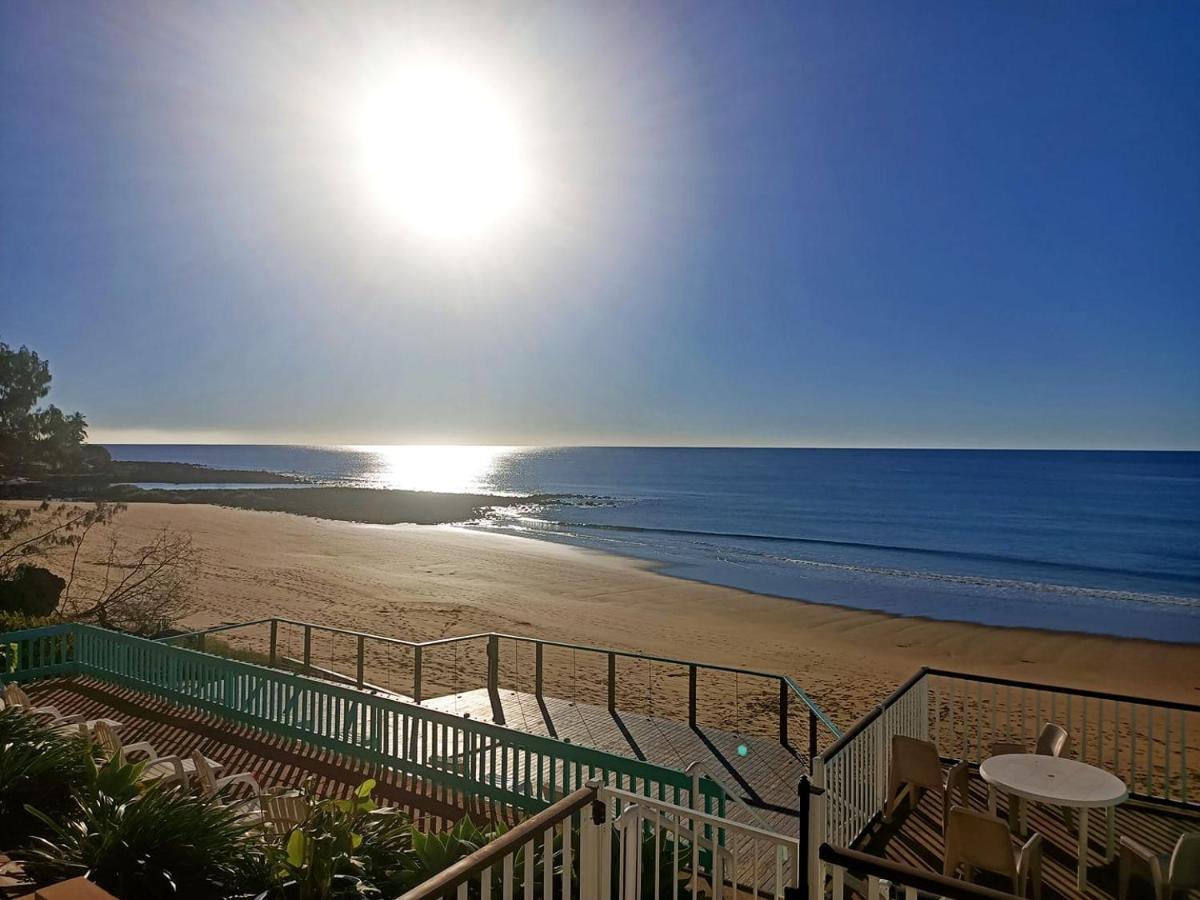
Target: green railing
{"points": [[750, 701], [504, 766]]}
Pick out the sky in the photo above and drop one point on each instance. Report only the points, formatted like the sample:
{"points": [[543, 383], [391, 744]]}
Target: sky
{"points": [[954, 224]]}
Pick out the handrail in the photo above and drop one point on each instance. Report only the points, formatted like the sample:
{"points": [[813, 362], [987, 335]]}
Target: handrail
{"points": [[858, 727], [449, 879], [1062, 689], [900, 874], [786, 680], [697, 815]]}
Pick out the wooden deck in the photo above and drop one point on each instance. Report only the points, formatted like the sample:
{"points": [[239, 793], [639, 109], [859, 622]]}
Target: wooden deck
{"points": [[274, 762], [761, 772], [766, 773], [915, 838]]}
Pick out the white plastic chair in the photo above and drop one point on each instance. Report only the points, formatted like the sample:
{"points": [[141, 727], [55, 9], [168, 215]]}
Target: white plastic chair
{"points": [[1177, 871], [1052, 740], [975, 840], [167, 769], [916, 767], [14, 695], [212, 784]]}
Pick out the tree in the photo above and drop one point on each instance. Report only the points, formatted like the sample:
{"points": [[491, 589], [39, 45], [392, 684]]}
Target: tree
{"points": [[144, 587], [135, 589], [32, 438], [24, 380]]}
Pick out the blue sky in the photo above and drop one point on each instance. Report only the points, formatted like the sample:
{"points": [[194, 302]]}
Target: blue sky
{"points": [[849, 224]]}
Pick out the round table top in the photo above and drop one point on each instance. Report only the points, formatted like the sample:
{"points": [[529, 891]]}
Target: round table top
{"points": [[1053, 780]]}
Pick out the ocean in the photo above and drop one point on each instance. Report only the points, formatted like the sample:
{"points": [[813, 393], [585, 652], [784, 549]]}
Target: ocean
{"points": [[1095, 541]]}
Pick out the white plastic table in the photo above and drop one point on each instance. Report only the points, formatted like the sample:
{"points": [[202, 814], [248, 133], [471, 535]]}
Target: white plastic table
{"points": [[1059, 782]]}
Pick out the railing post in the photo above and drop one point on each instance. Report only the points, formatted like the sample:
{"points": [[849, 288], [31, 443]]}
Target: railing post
{"points": [[417, 674], [612, 682], [362, 643], [307, 649], [537, 669], [923, 713], [200, 642], [493, 664], [592, 825], [783, 712], [816, 830], [812, 737], [803, 875], [692, 696], [274, 639], [630, 824]]}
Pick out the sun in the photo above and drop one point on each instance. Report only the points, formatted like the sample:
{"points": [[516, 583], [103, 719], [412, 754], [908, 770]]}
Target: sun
{"points": [[443, 153]]}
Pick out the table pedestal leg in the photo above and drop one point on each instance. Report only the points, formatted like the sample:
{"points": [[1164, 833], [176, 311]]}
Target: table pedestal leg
{"points": [[1081, 875], [1110, 836], [992, 799], [1023, 818]]}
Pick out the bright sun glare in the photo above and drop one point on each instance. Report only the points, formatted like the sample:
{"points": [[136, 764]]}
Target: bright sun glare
{"points": [[443, 153]]}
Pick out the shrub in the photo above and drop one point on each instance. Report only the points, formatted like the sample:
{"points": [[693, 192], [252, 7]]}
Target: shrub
{"points": [[160, 843], [38, 767], [318, 860], [31, 590], [15, 621]]}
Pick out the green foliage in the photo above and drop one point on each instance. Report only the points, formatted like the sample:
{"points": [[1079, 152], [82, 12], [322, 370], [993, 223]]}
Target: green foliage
{"points": [[432, 852], [117, 780], [15, 621], [317, 859], [38, 767], [218, 647], [30, 590], [351, 848], [159, 843], [34, 439]]}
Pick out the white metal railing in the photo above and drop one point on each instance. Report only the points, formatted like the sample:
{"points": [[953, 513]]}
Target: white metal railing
{"points": [[697, 771], [854, 771], [601, 843], [551, 855], [669, 849], [1151, 745]]}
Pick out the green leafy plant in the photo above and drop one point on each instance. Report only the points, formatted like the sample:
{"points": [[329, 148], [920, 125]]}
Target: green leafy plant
{"points": [[116, 780], [37, 766], [158, 843], [318, 858]]}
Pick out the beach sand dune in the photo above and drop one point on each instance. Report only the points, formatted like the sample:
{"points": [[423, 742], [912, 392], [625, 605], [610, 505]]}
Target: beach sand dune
{"points": [[419, 582]]}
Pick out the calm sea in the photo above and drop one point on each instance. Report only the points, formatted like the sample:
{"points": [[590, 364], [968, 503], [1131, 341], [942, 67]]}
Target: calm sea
{"points": [[1105, 542]]}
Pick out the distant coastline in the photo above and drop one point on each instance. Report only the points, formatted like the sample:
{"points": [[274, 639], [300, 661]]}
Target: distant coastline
{"points": [[295, 494]]}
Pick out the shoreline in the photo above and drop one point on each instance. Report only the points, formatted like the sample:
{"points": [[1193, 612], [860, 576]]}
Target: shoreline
{"points": [[421, 582], [662, 568]]}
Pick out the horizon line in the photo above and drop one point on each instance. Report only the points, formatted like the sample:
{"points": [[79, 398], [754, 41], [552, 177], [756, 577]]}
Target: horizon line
{"points": [[651, 446]]}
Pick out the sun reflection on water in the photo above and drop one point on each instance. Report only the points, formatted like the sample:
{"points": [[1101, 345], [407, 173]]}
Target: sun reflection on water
{"points": [[455, 469]]}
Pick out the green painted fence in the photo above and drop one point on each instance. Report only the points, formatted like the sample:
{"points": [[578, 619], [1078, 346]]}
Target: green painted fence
{"points": [[502, 765]]}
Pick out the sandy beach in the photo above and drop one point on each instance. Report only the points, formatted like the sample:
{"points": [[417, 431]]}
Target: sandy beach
{"points": [[421, 582]]}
